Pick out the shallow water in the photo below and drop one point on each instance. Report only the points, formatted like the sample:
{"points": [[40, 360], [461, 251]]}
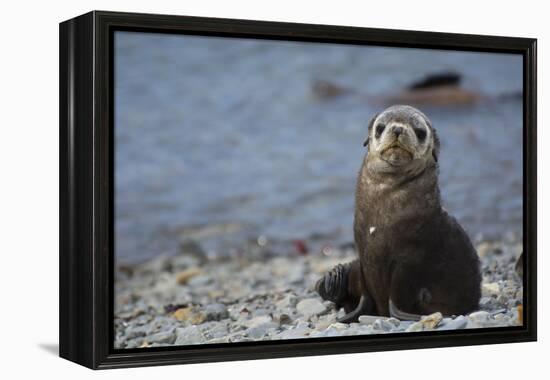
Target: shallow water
{"points": [[222, 140]]}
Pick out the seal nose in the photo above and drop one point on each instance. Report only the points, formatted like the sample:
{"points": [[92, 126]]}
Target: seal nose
{"points": [[397, 131]]}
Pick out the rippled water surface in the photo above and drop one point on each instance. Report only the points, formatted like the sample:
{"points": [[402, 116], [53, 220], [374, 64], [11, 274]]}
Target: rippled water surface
{"points": [[222, 140]]}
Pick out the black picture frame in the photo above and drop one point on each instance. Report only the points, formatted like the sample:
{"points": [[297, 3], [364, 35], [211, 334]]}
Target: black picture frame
{"points": [[86, 188]]}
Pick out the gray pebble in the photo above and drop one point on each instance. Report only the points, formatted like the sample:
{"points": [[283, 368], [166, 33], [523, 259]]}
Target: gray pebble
{"points": [[164, 337], [487, 302], [310, 307], [502, 299], [200, 280], [292, 334], [136, 331], [189, 335], [284, 319], [415, 327], [262, 312], [459, 322], [394, 321], [224, 339], [258, 321], [479, 319], [159, 264], [382, 325], [134, 343], [368, 319], [288, 301], [479, 316], [260, 331], [219, 330], [215, 312]]}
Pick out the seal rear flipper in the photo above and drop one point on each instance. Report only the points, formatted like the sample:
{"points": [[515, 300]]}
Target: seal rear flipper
{"points": [[365, 306], [342, 285], [333, 286], [395, 312]]}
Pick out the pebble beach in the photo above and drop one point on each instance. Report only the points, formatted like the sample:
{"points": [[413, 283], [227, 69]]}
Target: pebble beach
{"points": [[190, 299]]}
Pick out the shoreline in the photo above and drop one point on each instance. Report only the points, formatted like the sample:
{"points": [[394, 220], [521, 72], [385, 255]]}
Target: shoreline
{"points": [[188, 299]]}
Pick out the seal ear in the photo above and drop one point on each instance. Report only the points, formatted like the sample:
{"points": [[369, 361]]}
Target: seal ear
{"points": [[369, 129], [435, 149]]}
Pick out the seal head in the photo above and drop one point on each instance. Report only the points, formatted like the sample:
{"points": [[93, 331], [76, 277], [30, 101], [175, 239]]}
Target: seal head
{"points": [[401, 141]]}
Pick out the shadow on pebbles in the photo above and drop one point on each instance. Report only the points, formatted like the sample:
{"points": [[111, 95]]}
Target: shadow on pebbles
{"points": [[183, 300]]}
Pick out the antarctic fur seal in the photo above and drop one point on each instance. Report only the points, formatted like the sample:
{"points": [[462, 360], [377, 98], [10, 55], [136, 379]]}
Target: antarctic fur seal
{"points": [[414, 258]]}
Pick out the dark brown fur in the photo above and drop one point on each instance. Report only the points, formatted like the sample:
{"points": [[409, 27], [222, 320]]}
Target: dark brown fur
{"points": [[417, 255]]}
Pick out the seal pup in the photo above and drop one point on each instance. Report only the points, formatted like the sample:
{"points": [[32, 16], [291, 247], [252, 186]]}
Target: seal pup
{"points": [[435, 89], [414, 258]]}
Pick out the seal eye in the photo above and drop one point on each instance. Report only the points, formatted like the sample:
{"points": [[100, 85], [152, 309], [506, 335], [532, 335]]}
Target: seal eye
{"points": [[420, 133], [379, 129]]}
